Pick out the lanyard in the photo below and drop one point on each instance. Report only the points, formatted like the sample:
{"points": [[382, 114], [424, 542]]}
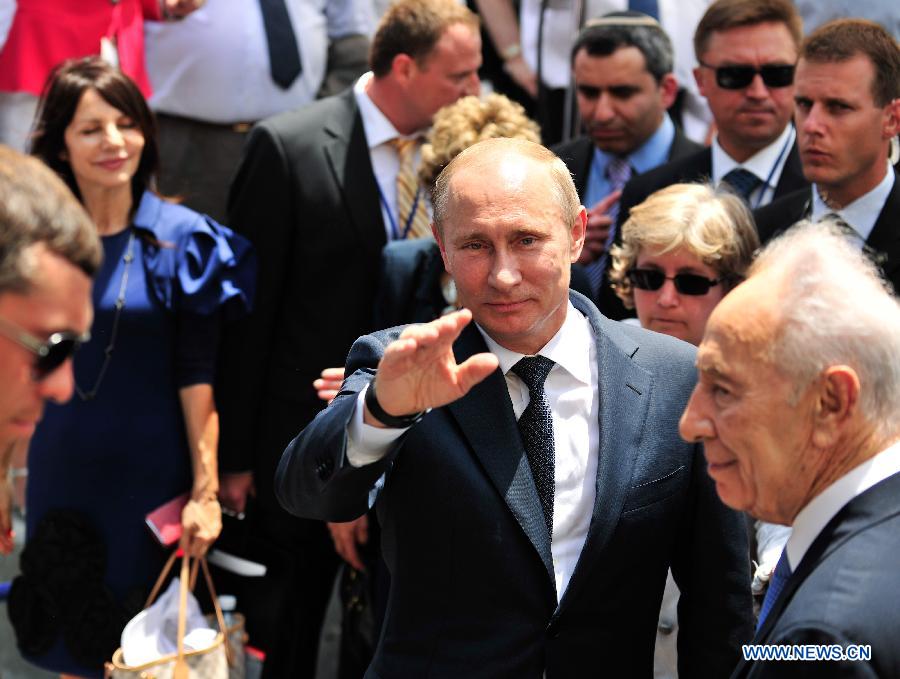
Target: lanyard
{"points": [[766, 184], [395, 231]]}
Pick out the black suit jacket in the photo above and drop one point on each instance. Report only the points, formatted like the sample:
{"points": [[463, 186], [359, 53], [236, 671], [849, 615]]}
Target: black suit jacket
{"points": [[472, 588], [846, 590], [698, 167], [578, 155], [781, 214], [305, 194]]}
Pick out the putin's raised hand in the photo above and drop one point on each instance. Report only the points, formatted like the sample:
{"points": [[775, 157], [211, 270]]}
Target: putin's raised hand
{"points": [[418, 370]]}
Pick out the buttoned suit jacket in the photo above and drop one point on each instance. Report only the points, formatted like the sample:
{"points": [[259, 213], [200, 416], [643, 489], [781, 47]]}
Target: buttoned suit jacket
{"points": [[578, 155], [472, 587], [845, 590], [884, 239]]}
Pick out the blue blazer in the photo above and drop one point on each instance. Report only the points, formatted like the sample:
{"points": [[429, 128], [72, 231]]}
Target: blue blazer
{"points": [[472, 587], [846, 590]]}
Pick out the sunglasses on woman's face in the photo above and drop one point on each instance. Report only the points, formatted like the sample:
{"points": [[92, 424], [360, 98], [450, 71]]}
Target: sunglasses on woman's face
{"points": [[685, 283], [49, 355], [740, 76]]}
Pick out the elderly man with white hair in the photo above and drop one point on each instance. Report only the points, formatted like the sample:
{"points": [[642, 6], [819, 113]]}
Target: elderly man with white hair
{"points": [[798, 408]]}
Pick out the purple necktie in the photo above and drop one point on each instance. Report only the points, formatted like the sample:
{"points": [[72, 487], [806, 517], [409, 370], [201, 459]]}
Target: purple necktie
{"points": [[618, 172]]}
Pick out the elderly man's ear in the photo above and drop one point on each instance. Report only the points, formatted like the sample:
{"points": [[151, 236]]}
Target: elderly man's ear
{"points": [[836, 404]]}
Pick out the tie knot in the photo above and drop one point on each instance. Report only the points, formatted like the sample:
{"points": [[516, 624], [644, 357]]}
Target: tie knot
{"points": [[533, 370], [405, 146], [618, 171], [743, 181]]}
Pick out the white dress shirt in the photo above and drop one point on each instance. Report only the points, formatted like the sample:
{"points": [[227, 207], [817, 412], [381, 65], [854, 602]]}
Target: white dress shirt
{"points": [[571, 390], [385, 161], [213, 65], [822, 508], [862, 213], [766, 164]]}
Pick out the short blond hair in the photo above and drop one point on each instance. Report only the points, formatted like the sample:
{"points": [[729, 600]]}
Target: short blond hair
{"points": [[468, 121], [714, 225]]}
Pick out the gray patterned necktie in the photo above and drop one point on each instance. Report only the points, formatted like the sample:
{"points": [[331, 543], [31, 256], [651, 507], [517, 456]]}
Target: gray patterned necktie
{"points": [[536, 428]]}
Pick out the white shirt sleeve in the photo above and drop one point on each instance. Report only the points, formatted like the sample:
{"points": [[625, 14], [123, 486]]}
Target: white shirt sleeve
{"points": [[367, 444]]}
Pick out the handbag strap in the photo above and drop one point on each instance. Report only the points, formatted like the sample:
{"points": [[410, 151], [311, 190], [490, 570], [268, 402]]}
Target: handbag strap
{"points": [[162, 577], [181, 670], [188, 580]]}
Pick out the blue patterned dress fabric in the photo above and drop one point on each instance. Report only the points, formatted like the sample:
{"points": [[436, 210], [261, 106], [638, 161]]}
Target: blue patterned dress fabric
{"points": [[115, 456]]}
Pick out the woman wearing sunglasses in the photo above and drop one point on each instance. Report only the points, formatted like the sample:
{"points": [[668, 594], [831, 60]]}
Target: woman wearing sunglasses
{"points": [[142, 428], [682, 250]]}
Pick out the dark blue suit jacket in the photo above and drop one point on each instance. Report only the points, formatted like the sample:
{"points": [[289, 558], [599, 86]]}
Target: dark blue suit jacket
{"points": [[846, 590], [472, 587]]}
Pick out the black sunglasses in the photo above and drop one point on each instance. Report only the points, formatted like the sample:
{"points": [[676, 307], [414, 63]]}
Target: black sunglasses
{"points": [[685, 283], [49, 355], [738, 77]]}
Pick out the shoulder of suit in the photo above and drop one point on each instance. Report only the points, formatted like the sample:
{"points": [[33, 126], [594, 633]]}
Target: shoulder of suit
{"points": [[781, 214], [313, 116], [690, 168]]}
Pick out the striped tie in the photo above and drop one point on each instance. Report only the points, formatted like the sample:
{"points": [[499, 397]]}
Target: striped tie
{"points": [[409, 193]]}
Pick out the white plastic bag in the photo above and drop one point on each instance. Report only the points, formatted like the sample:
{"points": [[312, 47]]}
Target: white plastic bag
{"points": [[153, 633]]}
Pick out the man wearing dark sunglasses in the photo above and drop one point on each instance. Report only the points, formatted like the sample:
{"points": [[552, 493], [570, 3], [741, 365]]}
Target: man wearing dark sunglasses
{"points": [[48, 252], [848, 116], [746, 51]]}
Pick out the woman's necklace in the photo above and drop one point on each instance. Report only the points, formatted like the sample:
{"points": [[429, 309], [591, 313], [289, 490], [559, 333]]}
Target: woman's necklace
{"points": [[120, 304]]}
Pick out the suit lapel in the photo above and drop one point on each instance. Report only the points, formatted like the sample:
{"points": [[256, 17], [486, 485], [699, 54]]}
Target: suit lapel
{"points": [[348, 157], [791, 178], [486, 418], [624, 390], [871, 507], [885, 236]]}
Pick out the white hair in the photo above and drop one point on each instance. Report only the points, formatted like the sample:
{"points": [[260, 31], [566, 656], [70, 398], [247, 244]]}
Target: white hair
{"points": [[836, 309]]}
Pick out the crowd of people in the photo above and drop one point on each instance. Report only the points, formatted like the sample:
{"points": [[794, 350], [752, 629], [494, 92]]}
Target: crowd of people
{"points": [[607, 402]]}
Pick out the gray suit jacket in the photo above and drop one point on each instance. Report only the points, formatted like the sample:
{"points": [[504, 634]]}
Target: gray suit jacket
{"points": [[472, 587]]}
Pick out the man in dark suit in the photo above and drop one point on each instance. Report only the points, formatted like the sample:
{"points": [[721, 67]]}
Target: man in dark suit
{"points": [[746, 50], [797, 409], [538, 547], [622, 66], [848, 110], [317, 193]]}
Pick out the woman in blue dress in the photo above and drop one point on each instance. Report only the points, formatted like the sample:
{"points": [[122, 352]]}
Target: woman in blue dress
{"points": [[143, 427]]}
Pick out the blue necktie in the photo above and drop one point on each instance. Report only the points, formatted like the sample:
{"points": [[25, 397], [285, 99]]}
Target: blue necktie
{"points": [[779, 577], [536, 428], [648, 7], [742, 181], [284, 55]]}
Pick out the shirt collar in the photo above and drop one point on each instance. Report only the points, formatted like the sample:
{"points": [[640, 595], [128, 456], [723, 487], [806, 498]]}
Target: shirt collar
{"points": [[652, 153], [378, 128], [863, 212], [766, 163], [822, 508], [569, 347]]}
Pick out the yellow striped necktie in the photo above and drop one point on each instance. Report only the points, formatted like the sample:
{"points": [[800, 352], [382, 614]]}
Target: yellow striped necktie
{"points": [[410, 196]]}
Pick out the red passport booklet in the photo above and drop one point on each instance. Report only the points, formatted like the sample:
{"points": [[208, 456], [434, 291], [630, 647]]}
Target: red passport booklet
{"points": [[165, 520]]}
